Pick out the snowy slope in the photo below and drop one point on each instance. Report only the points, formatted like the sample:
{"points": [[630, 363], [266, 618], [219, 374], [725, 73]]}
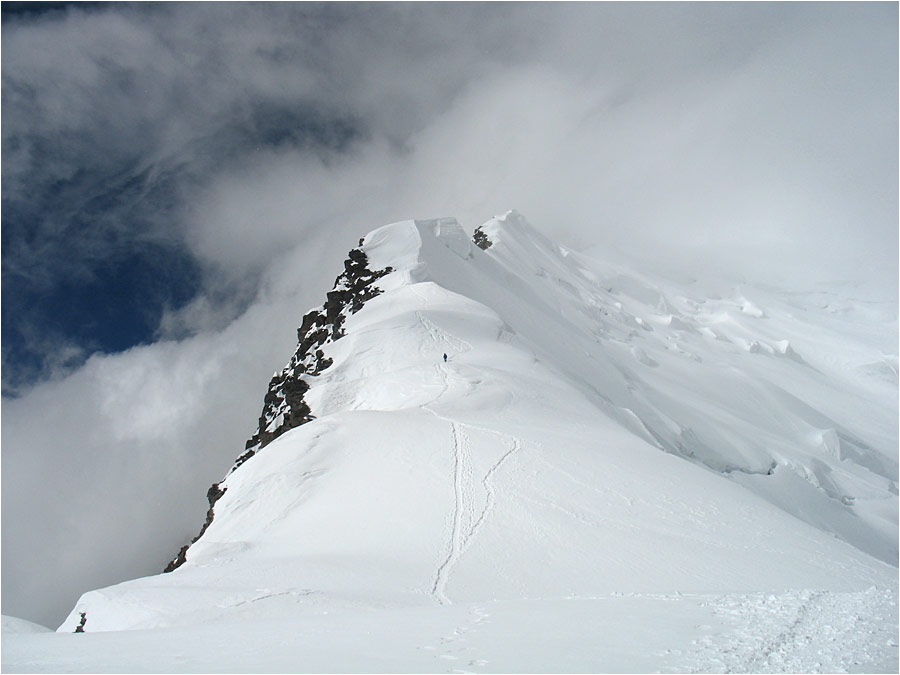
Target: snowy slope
{"points": [[610, 472], [12, 624]]}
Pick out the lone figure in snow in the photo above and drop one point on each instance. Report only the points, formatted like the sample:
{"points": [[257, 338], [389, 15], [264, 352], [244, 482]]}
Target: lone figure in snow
{"points": [[445, 358]]}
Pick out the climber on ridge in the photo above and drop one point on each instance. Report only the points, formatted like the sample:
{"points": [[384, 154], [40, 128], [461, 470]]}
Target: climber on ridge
{"points": [[445, 358]]}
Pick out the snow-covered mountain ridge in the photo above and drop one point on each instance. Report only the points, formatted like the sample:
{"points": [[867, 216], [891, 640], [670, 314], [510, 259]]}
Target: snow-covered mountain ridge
{"points": [[577, 321], [596, 440]]}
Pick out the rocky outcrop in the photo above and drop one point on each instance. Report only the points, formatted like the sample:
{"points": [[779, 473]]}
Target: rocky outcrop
{"points": [[481, 239], [284, 406], [212, 496]]}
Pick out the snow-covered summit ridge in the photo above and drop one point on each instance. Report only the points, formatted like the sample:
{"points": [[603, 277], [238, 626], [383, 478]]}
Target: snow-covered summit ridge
{"points": [[753, 384], [593, 431], [605, 332]]}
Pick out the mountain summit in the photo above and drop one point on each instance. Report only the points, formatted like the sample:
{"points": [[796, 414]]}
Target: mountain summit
{"points": [[494, 453]]}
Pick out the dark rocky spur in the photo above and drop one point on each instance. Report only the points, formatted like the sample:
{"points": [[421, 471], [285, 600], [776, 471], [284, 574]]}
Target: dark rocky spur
{"points": [[481, 240], [284, 406]]}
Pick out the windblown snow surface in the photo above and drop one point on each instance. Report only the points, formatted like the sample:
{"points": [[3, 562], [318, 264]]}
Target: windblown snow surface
{"points": [[610, 473]]}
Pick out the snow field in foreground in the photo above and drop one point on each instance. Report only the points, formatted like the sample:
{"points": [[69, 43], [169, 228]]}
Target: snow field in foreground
{"points": [[798, 631]]}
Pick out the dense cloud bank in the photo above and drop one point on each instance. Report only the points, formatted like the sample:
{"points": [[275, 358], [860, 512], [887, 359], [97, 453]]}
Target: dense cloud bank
{"points": [[235, 152]]}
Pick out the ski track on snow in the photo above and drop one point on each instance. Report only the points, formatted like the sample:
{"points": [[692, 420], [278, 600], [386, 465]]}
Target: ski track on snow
{"points": [[464, 524], [463, 507], [437, 335], [440, 338], [488, 485]]}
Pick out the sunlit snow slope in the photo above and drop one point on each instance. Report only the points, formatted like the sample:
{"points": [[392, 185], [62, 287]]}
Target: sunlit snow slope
{"points": [[601, 452]]}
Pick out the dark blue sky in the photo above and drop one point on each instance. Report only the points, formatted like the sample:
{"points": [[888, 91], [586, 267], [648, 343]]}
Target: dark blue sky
{"points": [[66, 293], [93, 241], [22, 10], [91, 260]]}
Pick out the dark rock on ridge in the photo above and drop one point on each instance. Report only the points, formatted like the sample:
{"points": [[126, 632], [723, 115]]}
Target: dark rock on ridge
{"points": [[481, 239], [212, 496], [284, 407]]}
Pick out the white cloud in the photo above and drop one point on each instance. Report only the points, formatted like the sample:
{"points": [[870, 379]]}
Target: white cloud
{"points": [[105, 472]]}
